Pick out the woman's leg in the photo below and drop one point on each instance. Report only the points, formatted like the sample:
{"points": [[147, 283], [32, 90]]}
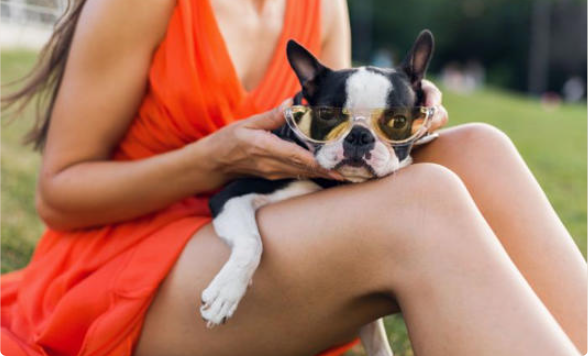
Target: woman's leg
{"points": [[341, 258], [520, 215]]}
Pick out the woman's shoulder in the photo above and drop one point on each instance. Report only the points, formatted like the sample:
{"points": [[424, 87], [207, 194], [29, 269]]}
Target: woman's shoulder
{"points": [[335, 34], [332, 11], [140, 22]]}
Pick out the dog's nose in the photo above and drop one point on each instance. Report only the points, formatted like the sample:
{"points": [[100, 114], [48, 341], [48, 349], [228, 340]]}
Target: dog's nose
{"points": [[358, 143], [360, 137]]}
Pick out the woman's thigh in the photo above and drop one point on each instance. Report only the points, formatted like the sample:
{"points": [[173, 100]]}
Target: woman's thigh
{"points": [[336, 260], [322, 276], [516, 208]]}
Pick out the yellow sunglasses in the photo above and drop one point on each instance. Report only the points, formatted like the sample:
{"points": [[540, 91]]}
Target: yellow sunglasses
{"points": [[397, 126]]}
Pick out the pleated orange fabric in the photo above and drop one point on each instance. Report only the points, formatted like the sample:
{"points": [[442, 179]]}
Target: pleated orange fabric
{"points": [[86, 292]]}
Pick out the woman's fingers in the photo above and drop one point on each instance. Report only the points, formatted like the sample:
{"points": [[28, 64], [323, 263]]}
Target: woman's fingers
{"points": [[273, 146], [433, 95], [433, 98], [289, 160], [294, 160], [289, 153], [281, 170], [279, 158], [269, 120], [439, 119], [285, 170]]}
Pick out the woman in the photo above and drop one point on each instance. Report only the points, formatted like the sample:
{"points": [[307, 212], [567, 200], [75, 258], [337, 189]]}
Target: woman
{"points": [[159, 105]]}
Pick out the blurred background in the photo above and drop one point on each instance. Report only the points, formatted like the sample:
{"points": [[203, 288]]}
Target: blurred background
{"points": [[519, 65], [531, 46]]}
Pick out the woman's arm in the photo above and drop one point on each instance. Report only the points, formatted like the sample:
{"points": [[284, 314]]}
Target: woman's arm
{"points": [[103, 85], [336, 34]]}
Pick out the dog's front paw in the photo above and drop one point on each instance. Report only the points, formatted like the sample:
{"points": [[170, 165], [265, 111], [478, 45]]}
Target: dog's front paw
{"points": [[221, 298]]}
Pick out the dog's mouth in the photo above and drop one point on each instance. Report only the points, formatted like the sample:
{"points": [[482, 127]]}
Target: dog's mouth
{"points": [[355, 170]]}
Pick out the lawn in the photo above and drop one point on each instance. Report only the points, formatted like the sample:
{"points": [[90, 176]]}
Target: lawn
{"points": [[553, 142]]}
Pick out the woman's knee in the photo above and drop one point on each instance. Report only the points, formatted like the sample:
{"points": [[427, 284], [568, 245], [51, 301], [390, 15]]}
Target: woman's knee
{"points": [[483, 137], [476, 148], [439, 219], [435, 180], [429, 191]]}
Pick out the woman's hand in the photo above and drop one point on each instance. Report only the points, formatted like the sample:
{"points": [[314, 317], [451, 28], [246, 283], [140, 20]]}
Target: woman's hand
{"points": [[248, 148], [433, 99]]}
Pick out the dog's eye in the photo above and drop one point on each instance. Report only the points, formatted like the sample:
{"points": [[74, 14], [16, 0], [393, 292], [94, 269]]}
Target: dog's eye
{"points": [[398, 122], [330, 115], [394, 125]]}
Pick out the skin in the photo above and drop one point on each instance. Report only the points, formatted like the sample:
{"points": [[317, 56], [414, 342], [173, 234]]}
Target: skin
{"points": [[472, 271]]}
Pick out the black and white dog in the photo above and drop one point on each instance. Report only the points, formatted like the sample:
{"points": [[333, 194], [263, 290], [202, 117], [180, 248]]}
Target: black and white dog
{"points": [[359, 155]]}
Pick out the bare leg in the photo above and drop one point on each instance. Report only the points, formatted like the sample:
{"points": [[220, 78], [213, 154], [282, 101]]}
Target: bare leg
{"points": [[519, 213], [339, 259]]}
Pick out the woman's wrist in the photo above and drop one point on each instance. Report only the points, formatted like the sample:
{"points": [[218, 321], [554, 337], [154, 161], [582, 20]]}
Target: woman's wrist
{"points": [[203, 166]]}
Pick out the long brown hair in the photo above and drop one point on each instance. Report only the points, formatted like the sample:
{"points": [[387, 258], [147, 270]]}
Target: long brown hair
{"points": [[43, 82]]}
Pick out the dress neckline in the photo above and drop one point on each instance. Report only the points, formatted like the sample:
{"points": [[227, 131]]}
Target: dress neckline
{"points": [[272, 66]]}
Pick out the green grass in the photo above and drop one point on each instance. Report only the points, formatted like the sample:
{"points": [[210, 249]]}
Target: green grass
{"points": [[553, 144], [20, 226]]}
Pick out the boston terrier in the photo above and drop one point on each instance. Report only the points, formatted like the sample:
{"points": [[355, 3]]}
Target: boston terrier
{"points": [[361, 122]]}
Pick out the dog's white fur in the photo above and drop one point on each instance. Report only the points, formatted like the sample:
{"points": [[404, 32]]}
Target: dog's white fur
{"points": [[383, 161], [237, 227], [236, 223], [367, 90]]}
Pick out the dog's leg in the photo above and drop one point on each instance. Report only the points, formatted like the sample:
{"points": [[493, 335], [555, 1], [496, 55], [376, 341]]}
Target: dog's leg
{"points": [[374, 339], [236, 226]]}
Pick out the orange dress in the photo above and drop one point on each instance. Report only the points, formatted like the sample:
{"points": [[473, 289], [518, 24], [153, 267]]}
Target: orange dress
{"points": [[86, 292]]}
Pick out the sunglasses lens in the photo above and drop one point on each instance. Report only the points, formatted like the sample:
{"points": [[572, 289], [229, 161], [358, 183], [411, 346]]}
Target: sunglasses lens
{"points": [[321, 123], [324, 124], [400, 124]]}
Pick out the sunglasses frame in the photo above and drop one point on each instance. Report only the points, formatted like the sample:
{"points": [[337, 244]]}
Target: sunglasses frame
{"points": [[361, 115]]}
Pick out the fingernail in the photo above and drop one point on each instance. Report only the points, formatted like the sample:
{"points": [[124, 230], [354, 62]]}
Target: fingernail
{"points": [[336, 176]]}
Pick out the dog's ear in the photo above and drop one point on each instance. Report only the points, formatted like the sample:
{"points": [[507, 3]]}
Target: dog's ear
{"points": [[417, 61], [306, 67]]}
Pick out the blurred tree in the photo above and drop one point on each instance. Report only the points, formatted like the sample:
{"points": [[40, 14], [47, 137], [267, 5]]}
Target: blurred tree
{"points": [[497, 34], [539, 46]]}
